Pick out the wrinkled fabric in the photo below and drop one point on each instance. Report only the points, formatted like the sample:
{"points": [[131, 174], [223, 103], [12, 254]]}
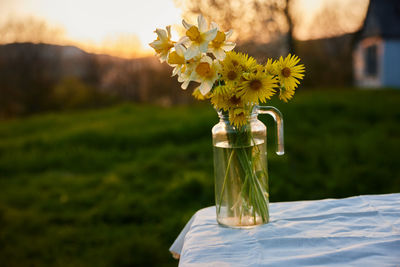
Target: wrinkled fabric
{"points": [[355, 231]]}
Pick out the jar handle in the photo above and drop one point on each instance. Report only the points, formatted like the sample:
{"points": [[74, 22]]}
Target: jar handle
{"points": [[277, 115]]}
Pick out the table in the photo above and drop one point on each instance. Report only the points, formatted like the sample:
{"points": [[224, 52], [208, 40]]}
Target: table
{"points": [[356, 231]]}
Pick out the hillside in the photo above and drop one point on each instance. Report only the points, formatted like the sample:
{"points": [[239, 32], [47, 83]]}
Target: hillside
{"points": [[114, 187], [45, 68]]}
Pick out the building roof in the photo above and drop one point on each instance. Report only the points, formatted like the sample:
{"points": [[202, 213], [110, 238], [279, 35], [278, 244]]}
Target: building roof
{"points": [[383, 19]]}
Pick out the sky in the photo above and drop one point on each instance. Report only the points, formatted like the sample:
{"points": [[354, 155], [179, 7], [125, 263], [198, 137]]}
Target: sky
{"points": [[101, 23], [96, 21]]}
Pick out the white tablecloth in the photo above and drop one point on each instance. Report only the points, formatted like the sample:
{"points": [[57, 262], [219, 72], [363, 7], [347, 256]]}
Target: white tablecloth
{"points": [[356, 231]]}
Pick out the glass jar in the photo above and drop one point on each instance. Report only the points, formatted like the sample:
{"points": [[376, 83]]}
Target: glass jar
{"points": [[240, 169]]}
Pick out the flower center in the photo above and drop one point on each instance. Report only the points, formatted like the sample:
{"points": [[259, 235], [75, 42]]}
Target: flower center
{"points": [[232, 75], [219, 39], [235, 63], [255, 85], [203, 69], [234, 100], [174, 58], [286, 72], [194, 34]]}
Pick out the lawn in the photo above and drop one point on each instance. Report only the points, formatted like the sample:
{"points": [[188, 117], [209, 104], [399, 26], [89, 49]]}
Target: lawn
{"points": [[114, 187]]}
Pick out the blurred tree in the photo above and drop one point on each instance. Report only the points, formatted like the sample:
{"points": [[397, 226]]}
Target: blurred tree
{"points": [[29, 29], [336, 18], [258, 21], [74, 93], [71, 93], [328, 55], [28, 75]]}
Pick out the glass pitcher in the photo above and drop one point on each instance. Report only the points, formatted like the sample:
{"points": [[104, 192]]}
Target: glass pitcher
{"points": [[240, 169]]}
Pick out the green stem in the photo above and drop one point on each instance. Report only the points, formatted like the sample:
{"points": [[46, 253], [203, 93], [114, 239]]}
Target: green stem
{"points": [[259, 201], [225, 179]]}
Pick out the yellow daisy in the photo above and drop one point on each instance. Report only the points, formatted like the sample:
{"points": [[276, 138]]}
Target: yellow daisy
{"points": [[248, 64], [227, 101], [258, 86], [238, 116], [222, 89], [232, 57], [270, 67], [230, 73], [245, 62], [288, 72], [285, 94]]}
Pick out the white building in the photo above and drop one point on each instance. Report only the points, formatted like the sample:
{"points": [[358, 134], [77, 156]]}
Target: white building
{"points": [[377, 50]]}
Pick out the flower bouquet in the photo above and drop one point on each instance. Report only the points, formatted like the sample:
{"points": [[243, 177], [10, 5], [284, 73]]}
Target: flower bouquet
{"points": [[235, 84]]}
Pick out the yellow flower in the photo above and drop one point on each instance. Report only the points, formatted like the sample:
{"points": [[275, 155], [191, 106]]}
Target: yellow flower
{"points": [[238, 116], [199, 96], [285, 94], [230, 73], [176, 59], [270, 67], [219, 44], [221, 90], [226, 100], [258, 86], [163, 43], [246, 63], [197, 37], [288, 72], [233, 58], [206, 73]]}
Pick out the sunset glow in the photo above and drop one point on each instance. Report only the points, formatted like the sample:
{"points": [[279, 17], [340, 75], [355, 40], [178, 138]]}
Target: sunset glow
{"points": [[98, 24], [119, 27]]}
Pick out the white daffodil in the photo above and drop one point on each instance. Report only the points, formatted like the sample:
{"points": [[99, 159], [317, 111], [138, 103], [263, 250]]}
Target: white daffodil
{"points": [[176, 59], [163, 44], [198, 37], [219, 44], [185, 76], [206, 73]]}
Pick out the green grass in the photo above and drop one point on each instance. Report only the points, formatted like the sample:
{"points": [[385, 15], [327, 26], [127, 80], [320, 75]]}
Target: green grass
{"points": [[114, 187]]}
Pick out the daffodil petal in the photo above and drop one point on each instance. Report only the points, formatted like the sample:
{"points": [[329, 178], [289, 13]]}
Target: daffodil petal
{"points": [[219, 53], [228, 46], [214, 25], [169, 31], [206, 59], [162, 34], [163, 57], [205, 87], [210, 35], [184, 40], [181, 78], [175, 71], [152, 44], [192, 51], [157, 42], [180, 50], [228, 34], [185, 84], [203, 47], [202, 23], [186, 25]]}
